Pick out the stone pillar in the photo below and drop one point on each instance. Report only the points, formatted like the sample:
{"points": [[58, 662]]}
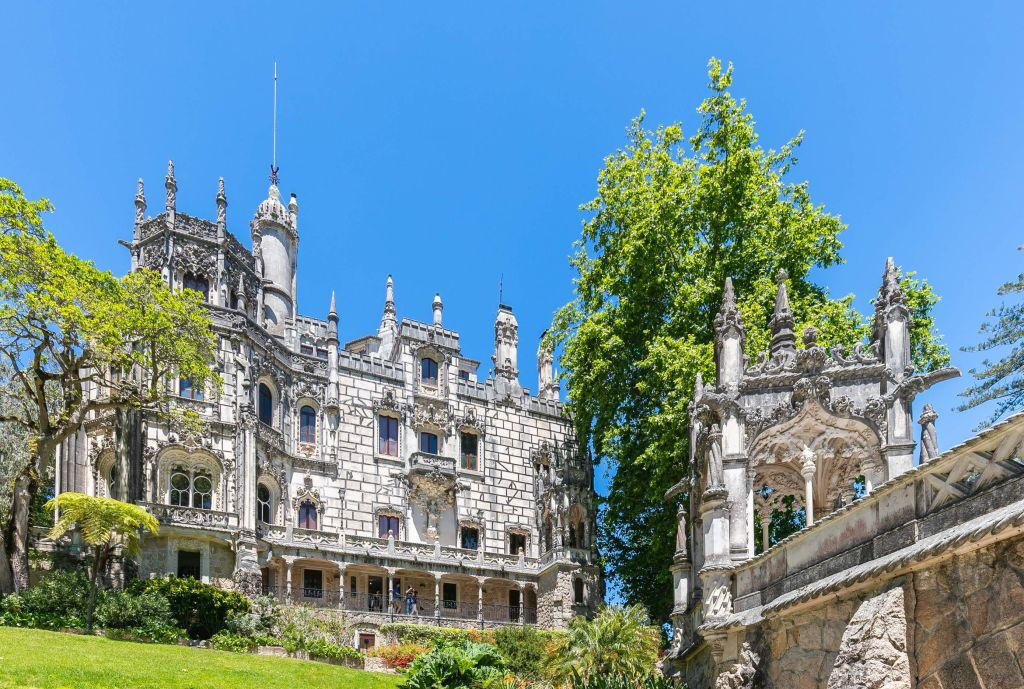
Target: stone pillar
{"points": [[480, 599], [715, 574], [522, 602], [766, 529], [391, 590], [437, 598], [289, 562], [807, 471], [750, 512], [341, 586]]}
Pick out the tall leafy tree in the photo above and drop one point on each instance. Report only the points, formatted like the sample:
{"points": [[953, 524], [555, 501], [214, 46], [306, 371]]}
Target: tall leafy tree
{"points": [[671, 220], [65, 326], [1002, 380]]}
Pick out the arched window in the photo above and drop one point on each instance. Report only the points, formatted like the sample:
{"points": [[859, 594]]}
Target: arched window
{"points": [[197, 283], [190, 489], [266, 405], [307, 515], [188, 390], [388, 524], [263, 512], [577, 591], [428, 371], [307, 425], [548, 534]]}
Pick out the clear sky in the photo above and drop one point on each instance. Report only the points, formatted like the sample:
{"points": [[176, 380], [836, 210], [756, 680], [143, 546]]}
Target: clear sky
{"points": [[451, 143]]}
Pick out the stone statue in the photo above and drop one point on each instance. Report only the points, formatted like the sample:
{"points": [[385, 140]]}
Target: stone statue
{"points": [[716, 478], [929, 443]]}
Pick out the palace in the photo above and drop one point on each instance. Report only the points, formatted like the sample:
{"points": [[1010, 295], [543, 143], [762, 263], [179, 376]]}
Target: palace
{"points": [[384, 477]]}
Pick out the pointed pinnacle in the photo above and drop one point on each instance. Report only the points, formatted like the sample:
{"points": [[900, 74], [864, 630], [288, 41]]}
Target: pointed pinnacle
{"points": [[729, 296], [333, 309]]}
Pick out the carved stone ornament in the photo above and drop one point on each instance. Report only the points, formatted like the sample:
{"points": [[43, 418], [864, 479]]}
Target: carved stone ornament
{"points": [[388, 402], [308, 494], [435, 416], [195, 259], [472, 421]]}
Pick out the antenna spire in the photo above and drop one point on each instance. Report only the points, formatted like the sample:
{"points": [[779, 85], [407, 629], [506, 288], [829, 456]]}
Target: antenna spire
{"points": [[501, 289], [273, 164]]}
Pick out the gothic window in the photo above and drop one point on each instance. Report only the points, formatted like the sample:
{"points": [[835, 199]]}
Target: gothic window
{"points": [[189, 390], [263, 511], [549, 533], [387, 524], [198, 284], [577, 591], [387, 435], [321, 353], [306, 349], [428, 443], [234, 300], [469, 538], [180, 485], [464, 375], [202, 491], [470, 443], [307, 425], [266, 405], [516, 542], [428, 371], [307, 515]]}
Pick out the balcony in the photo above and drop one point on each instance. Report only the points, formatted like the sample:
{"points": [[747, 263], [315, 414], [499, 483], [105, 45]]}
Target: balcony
{"points": [[426, 463], [191, 516]]}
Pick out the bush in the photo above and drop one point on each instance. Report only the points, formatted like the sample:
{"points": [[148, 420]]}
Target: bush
{"points": [[462, 665], [149, 633], [231, 641], [62, 593], [298, 626], [400, 656], [423, 635], [122, 610], [15, 618], [319, 648], [261, 621], [523, 649], [200, 609], [621, 681]]}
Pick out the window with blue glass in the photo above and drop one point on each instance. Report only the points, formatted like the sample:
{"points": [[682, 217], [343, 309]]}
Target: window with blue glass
{"points": [[428, 443], [307, 425], [428, 371], [198, 284], [189, 390], [266, 405], [387, 435], [307, 516]]}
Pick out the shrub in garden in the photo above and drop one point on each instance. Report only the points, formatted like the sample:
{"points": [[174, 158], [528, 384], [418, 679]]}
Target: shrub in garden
{"points": [[399, 656], [320, 648], [461, 665], [260, 621], [200, 609], [298, 626], [225, 640], [122, 610], [57, 600], [619, 641], [424, 635], [621, 681], [523, 649]]}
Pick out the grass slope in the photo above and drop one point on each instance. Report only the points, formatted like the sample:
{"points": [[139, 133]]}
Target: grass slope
{"points": [[35, 658]]}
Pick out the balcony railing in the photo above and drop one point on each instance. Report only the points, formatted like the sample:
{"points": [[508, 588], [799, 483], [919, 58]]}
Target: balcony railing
{"points": [[191, 516], [425, 461], [510, 614]]}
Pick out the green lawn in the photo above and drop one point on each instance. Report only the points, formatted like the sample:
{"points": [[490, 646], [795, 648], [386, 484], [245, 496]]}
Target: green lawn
{"points": [[34, 658]]}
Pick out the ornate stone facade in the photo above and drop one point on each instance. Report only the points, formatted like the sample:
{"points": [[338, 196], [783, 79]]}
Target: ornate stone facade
{"points": [[340, 474], [893, 581]]}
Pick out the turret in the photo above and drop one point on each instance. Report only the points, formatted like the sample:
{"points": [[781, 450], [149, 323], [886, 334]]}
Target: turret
{"points": [[547, 387], [783, 345], [333, 390], [332, 322], [892, 323], [438, 308], [274, 231], [729, 336], [506, 344], [388, 330]]}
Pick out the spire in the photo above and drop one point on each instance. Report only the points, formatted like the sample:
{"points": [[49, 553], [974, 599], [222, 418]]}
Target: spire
{"points": [[783, 338], [222, 207], [389, 302], [332, 321], [388, 330], [438, 308], [729, 313], [729, 335], [140, 205], [890, 302], [334, 310], [171, 185], [547, 386]]}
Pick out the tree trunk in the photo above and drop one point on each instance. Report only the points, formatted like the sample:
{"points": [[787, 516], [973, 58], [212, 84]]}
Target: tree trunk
{"points": [[90, 606], [6, 580], [16, 540]]}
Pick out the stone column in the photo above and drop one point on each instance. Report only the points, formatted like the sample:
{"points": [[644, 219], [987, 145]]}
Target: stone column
{"points": [[390, 593], [341, 586], [750, 512], [437, 597], [289, 562], [480, 599], [522, 602], [807, 471], [766, 528], [715, 574]]}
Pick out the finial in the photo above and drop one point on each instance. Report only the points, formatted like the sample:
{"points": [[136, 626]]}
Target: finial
{"points": [[729, 296], [729, 313], [171, 185], [273, 175], [389, 300], [222, 205], [929, 441], [140, 207], [438, 307], [783, 338], [333, 310]]}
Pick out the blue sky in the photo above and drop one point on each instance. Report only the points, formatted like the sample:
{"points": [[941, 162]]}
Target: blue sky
{"points": [[451, 143]]}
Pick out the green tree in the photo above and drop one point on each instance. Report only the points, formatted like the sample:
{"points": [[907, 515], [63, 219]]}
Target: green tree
{"points": [[617, 642], [66, 327], [671, 220], [1002, 380], [103, 524]]}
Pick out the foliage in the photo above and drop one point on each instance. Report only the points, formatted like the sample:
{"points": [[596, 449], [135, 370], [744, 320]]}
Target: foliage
{"points": [[621, 681], [102, 523], [1002, 380], [61, 592], [425, 635], [670, 221], [299, 626], [260, 621], [64, 324], [619, 641], [523, 649], [321, 648], [148, 633], [34, 658], [200, 609], [123, 610], [399, 656], [456, 665], [225, 640]]}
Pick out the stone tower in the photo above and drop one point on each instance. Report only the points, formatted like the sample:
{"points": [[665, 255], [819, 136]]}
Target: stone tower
{"points": [[275, 240]]}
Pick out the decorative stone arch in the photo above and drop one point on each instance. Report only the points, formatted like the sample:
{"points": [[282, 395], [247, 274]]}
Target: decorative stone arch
{"points": [[519, 530], [443, 359], [389, 511], [276, 398], [577, 530], [277, 498], [472, 421], [308, 494], [471, 522], [191, 460], [103, 468], [301, 401]]}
